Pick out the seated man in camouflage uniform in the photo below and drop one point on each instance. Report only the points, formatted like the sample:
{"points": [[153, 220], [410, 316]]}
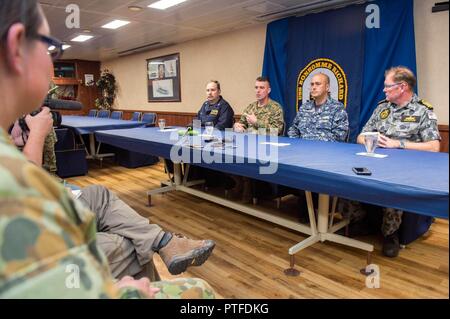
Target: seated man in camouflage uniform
{"points": [[48, 243], [264, 116], [403, 121], [127, 238], [322, 118]]}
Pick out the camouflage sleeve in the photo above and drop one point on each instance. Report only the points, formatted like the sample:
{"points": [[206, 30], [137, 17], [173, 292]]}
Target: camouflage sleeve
{"points": [[429, 130], [243, 119], [274, 121], [340, 125], [47, 240], [371, 123], [49, 156], [183, 288], [293, 130]]}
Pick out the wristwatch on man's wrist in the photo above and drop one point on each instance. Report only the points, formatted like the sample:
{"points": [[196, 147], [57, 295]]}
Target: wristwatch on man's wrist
{"points": [[402, 144]]}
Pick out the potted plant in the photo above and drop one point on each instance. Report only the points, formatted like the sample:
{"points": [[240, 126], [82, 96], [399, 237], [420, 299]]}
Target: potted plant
{"points": [[107, 86]]}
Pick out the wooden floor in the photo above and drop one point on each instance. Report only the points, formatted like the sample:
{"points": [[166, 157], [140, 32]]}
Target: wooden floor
{"points": [[251, 254]]}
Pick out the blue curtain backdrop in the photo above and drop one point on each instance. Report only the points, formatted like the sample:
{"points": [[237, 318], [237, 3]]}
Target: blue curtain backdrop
{"points": [[342, 36]]}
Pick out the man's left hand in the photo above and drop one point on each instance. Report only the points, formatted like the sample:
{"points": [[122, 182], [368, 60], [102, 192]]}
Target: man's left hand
{"points": [[386, 142]]}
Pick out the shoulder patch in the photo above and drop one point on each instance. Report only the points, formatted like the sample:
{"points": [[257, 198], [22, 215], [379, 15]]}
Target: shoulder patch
{"points": [[426, 104], [384, 114]]}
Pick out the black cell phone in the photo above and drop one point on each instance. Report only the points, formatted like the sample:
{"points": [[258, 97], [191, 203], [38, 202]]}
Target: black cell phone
{"points": [[361, 171]]}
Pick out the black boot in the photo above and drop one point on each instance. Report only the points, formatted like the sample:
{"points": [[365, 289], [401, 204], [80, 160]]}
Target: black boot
{"points": [[391, 245]]}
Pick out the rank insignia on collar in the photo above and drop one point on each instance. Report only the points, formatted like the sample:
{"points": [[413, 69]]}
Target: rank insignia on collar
{"points": [[384, 114]]}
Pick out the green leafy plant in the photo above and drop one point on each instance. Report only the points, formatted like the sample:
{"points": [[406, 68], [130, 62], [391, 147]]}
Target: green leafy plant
{"points": [[107, 86]]}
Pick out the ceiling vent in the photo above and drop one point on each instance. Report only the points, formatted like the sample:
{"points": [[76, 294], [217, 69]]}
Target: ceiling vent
{"points": [[142, 48], [308, 7]]}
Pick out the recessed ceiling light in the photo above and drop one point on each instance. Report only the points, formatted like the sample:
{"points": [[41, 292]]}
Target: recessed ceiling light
{"points": [[115, 24], [82, 38], [164, 4], [51, 48], [135, 8], [66, 46]]}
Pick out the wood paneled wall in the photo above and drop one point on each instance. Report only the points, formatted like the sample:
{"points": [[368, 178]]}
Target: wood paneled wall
{"points": [[184, 118], [443, 129]]}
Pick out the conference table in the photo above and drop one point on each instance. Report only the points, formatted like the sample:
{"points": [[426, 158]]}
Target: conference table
{"points": [[412, 181], [88, 125]]}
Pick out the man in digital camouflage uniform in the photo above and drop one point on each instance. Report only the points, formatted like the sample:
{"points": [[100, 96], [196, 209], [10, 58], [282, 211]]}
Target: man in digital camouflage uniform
{"points": [[321, 119], [406, 122], [48, 240]]}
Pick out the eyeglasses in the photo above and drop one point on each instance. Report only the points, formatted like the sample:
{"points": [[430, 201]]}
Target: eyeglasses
{"points": [[55, 46], [388, 86]]}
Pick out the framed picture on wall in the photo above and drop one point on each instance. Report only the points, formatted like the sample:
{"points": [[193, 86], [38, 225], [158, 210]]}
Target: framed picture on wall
{"points": [[163, 78]]}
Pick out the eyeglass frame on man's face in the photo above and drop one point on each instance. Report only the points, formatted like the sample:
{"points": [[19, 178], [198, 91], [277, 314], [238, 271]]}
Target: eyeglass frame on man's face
{"points": [[58, 50], [390, 86]]}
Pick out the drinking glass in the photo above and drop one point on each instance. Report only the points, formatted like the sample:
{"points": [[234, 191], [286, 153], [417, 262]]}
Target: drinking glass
{"points": [[162, 124], [209, 128], [370, 141]]}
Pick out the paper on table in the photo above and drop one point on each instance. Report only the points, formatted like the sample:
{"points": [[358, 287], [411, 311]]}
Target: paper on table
{"points": [[371, 155], [275, 144], [168, 130]]}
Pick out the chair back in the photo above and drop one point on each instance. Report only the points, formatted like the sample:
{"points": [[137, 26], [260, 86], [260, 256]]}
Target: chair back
{"points": [[92, 113], [136, 116], [117, 115], [149, 118], [103, 113]]}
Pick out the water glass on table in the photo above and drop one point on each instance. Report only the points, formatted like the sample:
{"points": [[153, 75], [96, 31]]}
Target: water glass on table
{"points": [[162, 124]]}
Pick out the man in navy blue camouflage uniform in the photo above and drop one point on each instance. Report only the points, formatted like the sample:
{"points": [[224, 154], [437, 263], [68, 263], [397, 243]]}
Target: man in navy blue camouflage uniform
{"points": [[322, 118]]}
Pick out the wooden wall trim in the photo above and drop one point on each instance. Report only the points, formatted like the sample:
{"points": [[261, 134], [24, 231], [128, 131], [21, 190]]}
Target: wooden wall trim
{"points": [[443, 130]]}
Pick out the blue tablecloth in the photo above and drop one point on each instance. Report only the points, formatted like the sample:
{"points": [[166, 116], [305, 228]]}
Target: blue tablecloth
{"points": [[410, 180], [87, 124]]}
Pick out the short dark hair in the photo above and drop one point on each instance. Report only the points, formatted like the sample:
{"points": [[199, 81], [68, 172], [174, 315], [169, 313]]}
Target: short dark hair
{"points": [[403, 74], [263, 79], [216, 82], [26, 12]]}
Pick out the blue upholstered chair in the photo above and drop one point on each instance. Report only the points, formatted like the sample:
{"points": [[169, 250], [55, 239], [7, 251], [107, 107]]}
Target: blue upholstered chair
{"points": [[117, 115], [136, 116], [149, 118], [92, 113], [103, 113]]}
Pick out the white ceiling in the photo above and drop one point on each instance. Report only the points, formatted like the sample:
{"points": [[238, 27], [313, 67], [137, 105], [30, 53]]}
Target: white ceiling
{"points": [[190, 20]]}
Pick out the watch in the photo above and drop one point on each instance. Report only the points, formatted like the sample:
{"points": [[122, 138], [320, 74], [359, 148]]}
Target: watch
{"points": [[402, 144]]}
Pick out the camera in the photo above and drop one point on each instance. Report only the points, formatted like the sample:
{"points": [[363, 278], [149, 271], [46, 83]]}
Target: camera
{"points": [[53, 104]]}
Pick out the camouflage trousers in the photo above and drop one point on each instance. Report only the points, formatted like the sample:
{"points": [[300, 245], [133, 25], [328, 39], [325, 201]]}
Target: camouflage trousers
{"points": [[354, 211], [183, 288]]}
